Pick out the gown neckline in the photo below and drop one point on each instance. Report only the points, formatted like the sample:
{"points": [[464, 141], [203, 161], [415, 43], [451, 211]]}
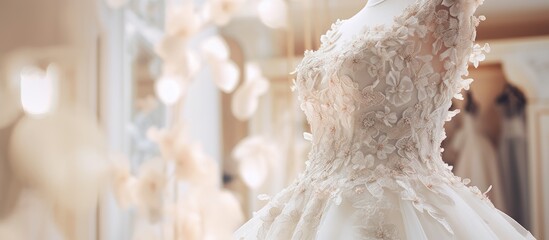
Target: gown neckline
{"points": [[375, 4], [398, 20]]}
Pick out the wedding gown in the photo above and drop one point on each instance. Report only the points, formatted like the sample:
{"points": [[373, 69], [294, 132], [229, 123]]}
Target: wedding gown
{"points": [[376, 106], [478, 160]]}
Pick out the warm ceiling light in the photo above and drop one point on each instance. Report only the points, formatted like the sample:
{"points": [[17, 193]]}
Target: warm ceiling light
{"points": [[38, 89], [273, 13], [168, 89]]}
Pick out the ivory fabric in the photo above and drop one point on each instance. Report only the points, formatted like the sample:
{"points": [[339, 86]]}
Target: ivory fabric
{"points": [[377, 105]]}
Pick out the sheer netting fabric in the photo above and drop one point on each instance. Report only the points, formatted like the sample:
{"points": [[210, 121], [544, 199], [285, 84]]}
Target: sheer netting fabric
{"points": [[376, 105]]}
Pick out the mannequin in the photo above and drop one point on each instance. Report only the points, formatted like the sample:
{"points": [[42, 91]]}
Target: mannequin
{"points": [[374, 169], [375, 13]]}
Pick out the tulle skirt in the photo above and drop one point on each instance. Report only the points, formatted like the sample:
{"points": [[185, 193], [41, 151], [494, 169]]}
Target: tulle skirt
{"points": [[454, 211]]}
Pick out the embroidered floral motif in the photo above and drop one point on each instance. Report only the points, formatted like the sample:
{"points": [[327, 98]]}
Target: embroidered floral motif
{"points": [[376, 105], [400, 88], [370, 97], [380, 231], [361, 162], [387, 117], [355, 62], [381, 147], [477, 54], [368, 125], [407, 148]]}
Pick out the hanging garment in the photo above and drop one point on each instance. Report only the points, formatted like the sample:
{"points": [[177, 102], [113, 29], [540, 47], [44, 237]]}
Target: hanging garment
{"points": [[513, 154], [377, 106], [478, 161]]}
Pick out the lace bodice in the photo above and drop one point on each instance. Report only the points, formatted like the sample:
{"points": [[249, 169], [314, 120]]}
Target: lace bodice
{"points": [[377, 103]]}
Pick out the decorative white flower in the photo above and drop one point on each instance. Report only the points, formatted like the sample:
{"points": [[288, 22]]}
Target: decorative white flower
{"points": [[381, 147], [345, 106], [379, 231], [172, 48], [226, 74], [378, 56], [434, 185], [361, 162], [168, 140], [407, 148], [355, 62], [194, 166], [387, 117], [178, 59], [399, 91], [271, 215], [123, 182], [410, 195], [246, 98], [221, 11], [348, 153], [477, 54], [151, 183], [371, 97], [390, 45], [454, 5], [407, 121], [358, 45], [412, 27], [368, 124], [327, 113], [461, 85], [182, 20], [256, 156], [196, 214], [446, 35], [449, 35], [346, 84], [308, 107], [215, 46], [331, 36], [399, 166], [410, 57], [424, 119], [191, 163], [426, 83], [465, 83]]}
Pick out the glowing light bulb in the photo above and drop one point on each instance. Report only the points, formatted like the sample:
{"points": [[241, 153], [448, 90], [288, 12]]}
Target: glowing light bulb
{"points": [[273, 13], [38, 89], [168, 89]]}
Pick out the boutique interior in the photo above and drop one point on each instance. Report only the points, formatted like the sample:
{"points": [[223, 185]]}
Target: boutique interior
{"points": [[176, 119]]}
